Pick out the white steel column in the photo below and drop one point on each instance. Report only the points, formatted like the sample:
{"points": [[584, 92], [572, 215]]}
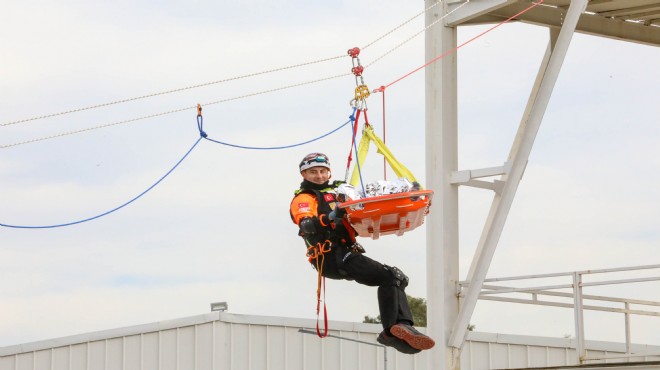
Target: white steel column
{"points": [[441, 161], [578, 312], [519, 155]]}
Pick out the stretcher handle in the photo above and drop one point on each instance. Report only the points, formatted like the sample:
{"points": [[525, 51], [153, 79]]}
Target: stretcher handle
{"points": [[407, 194]]}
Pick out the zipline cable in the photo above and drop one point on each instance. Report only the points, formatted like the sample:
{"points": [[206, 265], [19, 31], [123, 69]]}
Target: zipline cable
{"points": [[170, 91], [5, 146], [291, 86], [249, 75], [67, 133]]}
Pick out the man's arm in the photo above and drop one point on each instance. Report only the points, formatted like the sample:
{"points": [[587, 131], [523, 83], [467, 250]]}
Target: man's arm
{"points": [[302, 206]]}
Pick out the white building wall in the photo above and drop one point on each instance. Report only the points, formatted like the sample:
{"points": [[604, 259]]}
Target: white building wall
{"points": [[223, 341]]}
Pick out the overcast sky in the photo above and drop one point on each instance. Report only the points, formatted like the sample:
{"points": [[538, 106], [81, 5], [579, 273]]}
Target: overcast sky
{"points": [[217, 228]]}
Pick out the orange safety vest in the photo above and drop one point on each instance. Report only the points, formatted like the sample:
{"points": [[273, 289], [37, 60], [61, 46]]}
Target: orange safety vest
{"points": [[319, 203]]}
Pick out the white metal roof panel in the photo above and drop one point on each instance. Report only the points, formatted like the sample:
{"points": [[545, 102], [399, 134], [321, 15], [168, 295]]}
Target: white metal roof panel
{"points": [[223, 341]]}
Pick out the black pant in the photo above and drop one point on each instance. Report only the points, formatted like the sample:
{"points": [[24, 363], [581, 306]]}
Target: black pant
{"points": [[342, 264]]}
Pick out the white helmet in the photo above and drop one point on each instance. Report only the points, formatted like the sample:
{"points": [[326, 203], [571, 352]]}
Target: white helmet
{"points": [[314, 160]]}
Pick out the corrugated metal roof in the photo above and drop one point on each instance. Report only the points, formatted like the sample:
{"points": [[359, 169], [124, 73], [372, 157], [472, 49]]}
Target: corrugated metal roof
{"points": [[225, 341]]}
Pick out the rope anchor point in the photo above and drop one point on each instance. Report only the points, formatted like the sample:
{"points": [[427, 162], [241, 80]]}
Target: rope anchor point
{"points": [[200, 121]]}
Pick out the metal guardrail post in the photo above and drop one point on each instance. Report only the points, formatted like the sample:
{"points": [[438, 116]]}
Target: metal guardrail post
{"points": [[627, 321], [579, 316]]}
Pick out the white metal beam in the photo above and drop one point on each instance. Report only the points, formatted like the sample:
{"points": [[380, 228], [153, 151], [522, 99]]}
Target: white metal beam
{"points": [[467, 177], [520, 154], [441, 160], [474, 9], [579, 316]]}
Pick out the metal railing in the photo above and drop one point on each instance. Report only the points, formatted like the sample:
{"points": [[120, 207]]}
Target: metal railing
{"points": [[575, 297], [311, 331]]}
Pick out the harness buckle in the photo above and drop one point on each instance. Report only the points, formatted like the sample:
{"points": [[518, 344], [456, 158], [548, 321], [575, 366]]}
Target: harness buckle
{"points": [[357, 248]]}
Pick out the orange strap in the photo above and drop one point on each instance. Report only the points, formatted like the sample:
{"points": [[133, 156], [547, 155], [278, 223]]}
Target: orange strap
{"points": [[321, 284], [318, 252]]}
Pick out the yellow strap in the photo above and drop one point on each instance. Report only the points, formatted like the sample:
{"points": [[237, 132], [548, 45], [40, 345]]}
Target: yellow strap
{"points": [[362, 150], [369, 135]]}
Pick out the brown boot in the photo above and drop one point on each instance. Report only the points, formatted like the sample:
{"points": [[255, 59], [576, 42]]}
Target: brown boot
{"points": [[396, 343], [411, 336]]}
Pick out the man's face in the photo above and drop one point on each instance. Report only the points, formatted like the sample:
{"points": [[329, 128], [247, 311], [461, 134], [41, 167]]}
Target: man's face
{"points": [[316, 175]]}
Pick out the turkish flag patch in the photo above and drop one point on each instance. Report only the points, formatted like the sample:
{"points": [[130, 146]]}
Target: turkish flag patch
{"points": [[303, 205], [329, 197]]}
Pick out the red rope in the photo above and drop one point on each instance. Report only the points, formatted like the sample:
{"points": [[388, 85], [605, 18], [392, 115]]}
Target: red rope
{"points": [[384, 160], [325, 312], [355, 127], [366, 120], [461, 45], [320, 251]]}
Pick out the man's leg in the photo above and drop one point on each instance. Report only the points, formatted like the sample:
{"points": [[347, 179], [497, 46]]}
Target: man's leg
{"points": [[395, 313]]}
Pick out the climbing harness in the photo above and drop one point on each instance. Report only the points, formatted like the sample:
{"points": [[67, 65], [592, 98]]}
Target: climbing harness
{"points": [[317, 233]]}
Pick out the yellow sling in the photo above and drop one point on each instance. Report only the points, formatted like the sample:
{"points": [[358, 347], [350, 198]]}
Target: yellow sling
{"points": [[368, 135]]}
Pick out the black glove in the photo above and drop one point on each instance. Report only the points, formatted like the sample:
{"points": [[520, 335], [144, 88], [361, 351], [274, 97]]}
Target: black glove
{"points": [[337, 214], [310, 225]]}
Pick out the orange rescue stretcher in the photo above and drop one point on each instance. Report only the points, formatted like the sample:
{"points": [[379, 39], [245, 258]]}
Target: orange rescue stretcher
{"points": [[388, 214]]}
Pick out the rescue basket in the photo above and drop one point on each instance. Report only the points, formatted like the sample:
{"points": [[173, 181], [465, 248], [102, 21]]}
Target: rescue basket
{"points": [[388, 214]]}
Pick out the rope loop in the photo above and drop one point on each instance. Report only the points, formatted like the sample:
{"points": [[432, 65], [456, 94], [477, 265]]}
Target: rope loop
{"points": [[358, 104], [352, 116], [200, 123]]}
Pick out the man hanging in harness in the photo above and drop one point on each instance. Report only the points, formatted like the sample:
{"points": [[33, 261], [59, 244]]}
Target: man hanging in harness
{"points": [[334, 252]]}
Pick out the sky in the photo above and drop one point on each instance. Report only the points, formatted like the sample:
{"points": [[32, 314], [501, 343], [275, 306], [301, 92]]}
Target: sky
{"points": [[217, 227]]}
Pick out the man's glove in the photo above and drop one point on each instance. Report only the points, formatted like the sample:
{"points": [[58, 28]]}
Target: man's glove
{"points": [[337, 214], [310, 225]]}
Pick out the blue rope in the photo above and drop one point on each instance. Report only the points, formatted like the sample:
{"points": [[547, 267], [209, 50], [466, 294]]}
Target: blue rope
{"points": [[115, 209], [203, 134], [200, 125]]}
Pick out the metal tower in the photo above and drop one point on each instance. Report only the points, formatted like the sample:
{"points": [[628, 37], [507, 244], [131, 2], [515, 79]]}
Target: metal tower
{"points": [[630, 20]]}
